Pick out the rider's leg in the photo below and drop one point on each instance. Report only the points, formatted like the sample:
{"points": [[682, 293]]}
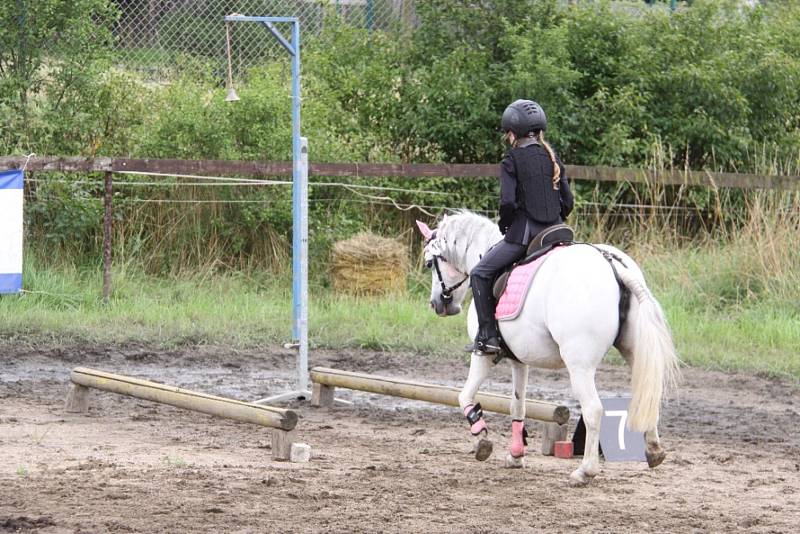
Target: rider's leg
{"points": [[482, 279]]}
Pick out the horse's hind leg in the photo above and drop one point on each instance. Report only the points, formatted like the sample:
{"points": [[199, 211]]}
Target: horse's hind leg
{"points": [[592, 410], [654, 453], [478, 371], [516, 453]]}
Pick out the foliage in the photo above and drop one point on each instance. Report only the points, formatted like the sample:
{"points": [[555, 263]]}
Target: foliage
{"points": [[48, 53], [715, 85]]}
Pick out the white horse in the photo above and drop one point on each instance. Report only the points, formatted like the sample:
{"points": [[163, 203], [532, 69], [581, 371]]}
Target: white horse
{"points": [[570, 318]]}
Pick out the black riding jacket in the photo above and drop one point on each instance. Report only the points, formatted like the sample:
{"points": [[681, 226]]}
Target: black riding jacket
{"points": [[528, 202]]}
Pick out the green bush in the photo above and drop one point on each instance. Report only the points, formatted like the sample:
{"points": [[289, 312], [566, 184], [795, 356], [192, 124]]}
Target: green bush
{"points": [[712, 85]]}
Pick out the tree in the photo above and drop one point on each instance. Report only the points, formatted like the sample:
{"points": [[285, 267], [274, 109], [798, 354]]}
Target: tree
{"points": [[50, 44]]}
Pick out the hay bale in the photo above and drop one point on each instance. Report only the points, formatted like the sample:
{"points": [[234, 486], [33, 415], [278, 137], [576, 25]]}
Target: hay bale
{"points": [[367, 264]]}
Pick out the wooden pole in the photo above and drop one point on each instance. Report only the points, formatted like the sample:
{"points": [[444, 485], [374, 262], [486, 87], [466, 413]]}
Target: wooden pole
{"points": [[183, 398], [539, 410], [108, 200], [260, 169]]}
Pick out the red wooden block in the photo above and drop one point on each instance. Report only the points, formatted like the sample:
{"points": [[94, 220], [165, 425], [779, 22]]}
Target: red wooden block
{"points": [[563, 449]]}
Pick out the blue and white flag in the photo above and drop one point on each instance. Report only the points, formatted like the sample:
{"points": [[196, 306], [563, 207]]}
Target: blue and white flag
{"points": [[11, 231]]}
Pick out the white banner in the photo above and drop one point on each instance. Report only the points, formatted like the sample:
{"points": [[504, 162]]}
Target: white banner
{"points": [[11, 198]]}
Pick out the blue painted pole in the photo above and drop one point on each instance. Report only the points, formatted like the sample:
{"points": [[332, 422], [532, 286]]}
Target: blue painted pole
{"points": [[299, 205], [296, 212], [299, 220], [370, 15]]}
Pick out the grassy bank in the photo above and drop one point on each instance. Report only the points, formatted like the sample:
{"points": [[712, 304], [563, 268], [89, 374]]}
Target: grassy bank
{"points": [[717, 319]]}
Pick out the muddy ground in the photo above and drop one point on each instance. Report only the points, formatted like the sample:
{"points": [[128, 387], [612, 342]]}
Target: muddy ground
{"points": [[381, 465]]}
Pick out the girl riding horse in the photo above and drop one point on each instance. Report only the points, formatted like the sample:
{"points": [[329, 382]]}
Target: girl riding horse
{"points": [[534, 194]]}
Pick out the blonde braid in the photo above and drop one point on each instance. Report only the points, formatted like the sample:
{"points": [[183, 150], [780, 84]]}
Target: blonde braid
{"points": [[556, 167]]}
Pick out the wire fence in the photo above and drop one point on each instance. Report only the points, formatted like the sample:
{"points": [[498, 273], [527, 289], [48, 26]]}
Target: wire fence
{"points": [[162, 37]]}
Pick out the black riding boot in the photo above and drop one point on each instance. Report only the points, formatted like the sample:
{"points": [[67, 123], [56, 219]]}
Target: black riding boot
{"points": [[482, 279], [488, 339]]}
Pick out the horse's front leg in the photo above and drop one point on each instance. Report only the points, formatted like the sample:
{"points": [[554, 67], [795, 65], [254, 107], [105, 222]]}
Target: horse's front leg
{"points": [[516, 453], [478, 371]]}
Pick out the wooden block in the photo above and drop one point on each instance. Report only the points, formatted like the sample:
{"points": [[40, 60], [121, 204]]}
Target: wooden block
{"points": [[282, 444], [322, 395], [563, 449], [552, 432], [77, 399]]}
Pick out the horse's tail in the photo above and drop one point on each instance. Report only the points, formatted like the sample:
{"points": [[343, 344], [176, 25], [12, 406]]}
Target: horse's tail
{"points": [[655, 362]]}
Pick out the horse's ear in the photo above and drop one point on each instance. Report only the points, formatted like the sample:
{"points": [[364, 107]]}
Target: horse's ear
{"points": [[424, 230]]}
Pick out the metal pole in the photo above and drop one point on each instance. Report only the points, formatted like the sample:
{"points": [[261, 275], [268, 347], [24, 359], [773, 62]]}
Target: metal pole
{"points": [[299, 209], [370, 15], [108, 200], [299, 220], [296, 240], [302, 360]]}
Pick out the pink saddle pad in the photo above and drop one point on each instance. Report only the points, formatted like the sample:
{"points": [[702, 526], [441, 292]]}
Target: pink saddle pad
{"points": [[510, 303]]}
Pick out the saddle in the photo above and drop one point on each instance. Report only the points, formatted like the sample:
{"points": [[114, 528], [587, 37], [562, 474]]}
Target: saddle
{"points": [[544, 242]]}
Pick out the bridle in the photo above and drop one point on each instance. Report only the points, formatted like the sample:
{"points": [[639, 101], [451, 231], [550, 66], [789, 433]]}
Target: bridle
{"points": [[447, 292]]}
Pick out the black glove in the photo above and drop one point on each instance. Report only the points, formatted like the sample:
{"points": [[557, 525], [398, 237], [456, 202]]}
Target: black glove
{"points": [[506, 218]]}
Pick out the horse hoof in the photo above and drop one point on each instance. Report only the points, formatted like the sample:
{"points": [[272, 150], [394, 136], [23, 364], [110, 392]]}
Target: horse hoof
{"points": [[578, 479], [654, 459], [513, 462], [483, 450]]}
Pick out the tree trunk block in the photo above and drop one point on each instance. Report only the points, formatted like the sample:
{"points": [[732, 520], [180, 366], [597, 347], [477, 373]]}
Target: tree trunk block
{"points": [[77, 399], [552, 432], [322, 396], [282, 444]]}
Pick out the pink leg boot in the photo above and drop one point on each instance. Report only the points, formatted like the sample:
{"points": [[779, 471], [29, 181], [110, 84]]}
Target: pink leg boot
{"points": [[518, 439], [474, 414]]}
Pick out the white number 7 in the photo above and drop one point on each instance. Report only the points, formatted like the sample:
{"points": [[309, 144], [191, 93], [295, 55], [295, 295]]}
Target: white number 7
{"points": [[623, 418]]}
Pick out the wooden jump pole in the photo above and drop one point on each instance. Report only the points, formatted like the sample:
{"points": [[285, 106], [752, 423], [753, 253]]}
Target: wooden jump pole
{"points": [[325, 379], [282, 422]]}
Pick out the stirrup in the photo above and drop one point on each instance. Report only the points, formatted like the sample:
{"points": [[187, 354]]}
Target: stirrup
{"points": [[496, 347], [473, 347]]}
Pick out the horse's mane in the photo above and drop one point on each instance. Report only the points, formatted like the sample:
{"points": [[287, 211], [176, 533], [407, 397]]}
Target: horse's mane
{"points": [[463, 229]]}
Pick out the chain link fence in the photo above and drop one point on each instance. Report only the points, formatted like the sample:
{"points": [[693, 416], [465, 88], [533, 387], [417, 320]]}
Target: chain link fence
{"points": [[164, 37]]}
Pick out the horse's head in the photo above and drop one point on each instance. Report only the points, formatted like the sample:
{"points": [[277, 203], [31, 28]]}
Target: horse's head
{"points": [[448, 284]]}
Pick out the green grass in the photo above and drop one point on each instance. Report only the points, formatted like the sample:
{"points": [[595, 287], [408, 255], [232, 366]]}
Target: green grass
{"points": [[754, 332], [760, 338], [234, 309]]}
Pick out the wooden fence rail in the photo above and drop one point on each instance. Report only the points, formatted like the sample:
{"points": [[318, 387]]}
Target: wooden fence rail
{"points": [[257, 169], [284, 168]]}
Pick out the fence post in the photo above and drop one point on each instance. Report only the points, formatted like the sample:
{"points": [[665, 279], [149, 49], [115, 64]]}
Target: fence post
{"points": [[108, 212]]}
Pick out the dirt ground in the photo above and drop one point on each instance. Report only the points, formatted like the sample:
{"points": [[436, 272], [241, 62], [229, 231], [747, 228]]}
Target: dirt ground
{"points": [[380, 465]]}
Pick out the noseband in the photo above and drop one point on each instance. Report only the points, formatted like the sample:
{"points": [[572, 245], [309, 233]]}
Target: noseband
{"points": [[447, 292]]}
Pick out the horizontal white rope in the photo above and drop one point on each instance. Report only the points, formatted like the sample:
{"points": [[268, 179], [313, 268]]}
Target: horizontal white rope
{"points": [[252, 181], [227, 182]]}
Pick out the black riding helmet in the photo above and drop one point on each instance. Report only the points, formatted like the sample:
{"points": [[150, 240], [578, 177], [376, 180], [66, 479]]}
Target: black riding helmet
{"points": [[522, 117]]}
